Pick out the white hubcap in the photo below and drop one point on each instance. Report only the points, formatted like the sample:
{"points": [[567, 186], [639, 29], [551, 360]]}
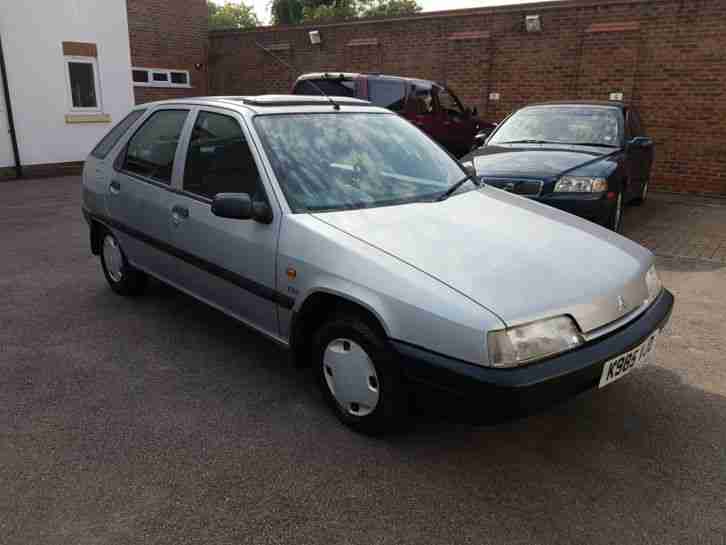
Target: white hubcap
{"points": [[351, 377], [112, 258]]}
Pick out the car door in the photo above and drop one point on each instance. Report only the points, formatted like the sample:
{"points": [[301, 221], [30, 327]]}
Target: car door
{"points": [[420, 110], [137, 200], [639, 157], [457, 132], [229, 263]]}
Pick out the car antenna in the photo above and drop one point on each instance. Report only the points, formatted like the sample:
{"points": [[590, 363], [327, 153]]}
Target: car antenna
{"points": [[335, 105]]}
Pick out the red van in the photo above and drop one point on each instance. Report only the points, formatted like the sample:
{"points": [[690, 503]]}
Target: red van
{"points": [[429, 105]]}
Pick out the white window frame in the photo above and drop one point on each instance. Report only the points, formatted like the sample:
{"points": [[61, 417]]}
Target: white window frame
{"points": [[168, 83], [93, 61]]}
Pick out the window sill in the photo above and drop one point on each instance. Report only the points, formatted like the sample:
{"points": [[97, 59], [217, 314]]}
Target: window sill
{"points": [[162, 85], [87, 118]]}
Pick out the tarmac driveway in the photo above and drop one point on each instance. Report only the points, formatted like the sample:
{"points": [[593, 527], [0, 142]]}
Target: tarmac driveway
{"points": [[159, 420]]}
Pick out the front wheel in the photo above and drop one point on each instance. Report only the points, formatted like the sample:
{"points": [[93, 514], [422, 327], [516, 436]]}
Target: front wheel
{"points": [[121, 276], [358, 374], [616, 220]]}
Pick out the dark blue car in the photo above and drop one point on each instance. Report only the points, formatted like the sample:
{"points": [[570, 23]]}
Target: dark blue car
{"points": [[587, 158]]}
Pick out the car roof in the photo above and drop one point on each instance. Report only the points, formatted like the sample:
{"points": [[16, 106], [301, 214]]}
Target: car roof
{"points": [[352, 75], [272, 103], [610, 103]]}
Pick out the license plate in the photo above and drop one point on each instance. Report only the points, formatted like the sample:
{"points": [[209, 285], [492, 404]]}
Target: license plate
{"points": [[618, 367]]}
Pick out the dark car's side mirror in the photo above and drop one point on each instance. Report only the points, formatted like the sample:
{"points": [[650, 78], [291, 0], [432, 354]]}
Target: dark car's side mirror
{"points": [[236, 206], [640, 142]]}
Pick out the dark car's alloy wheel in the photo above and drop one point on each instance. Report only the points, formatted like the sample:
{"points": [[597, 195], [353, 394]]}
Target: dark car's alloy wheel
{"points": [[121, 276], [616, 223]]}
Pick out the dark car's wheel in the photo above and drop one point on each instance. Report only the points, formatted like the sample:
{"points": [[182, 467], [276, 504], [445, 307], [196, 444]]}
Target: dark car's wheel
{"points": [[358, 374], [616, 219], [121, 276], [640, 199]]}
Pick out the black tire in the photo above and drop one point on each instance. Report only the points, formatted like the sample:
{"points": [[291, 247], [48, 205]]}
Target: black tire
{"points": [[616, 218], [132, 281], [392, 408], [639, 200]]}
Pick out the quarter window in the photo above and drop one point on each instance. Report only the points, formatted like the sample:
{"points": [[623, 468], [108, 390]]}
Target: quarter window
{"points": [[109, 141], [82, 73], [152, 148], [388, 94], [219, 159]]}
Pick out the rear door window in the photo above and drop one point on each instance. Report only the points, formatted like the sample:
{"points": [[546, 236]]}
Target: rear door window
{"points": [[152, 148], [387, 94], [331, 87], [219, 159], [104, 147]]}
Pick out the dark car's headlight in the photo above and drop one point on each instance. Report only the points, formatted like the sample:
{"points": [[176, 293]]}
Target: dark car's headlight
{"points": [[528, 343], [581, 184]]}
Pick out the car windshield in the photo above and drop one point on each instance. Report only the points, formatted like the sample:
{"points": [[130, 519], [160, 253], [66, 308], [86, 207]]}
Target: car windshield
{"points": [[584, 125], [339, 161]]}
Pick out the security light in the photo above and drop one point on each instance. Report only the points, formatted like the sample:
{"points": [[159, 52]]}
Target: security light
{"points": [[314, 37], [533, 23]]}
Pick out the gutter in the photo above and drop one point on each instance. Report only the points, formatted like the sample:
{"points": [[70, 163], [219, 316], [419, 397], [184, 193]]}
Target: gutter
{"points": [[9, 113]]}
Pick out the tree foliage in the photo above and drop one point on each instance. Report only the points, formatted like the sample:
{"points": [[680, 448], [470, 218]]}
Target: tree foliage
{"points": [[291, 12], [231, 15]]}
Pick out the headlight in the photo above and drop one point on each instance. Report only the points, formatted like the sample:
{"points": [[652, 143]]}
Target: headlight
{"points": [[652, 280], [581, 184], [516, 346]]}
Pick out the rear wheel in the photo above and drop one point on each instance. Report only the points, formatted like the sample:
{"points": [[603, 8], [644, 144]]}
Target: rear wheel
{"points": [[358, 374], [121, 276]]}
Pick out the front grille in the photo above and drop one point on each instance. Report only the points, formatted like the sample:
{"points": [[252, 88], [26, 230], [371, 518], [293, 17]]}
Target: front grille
{"points": [[526, 187]]}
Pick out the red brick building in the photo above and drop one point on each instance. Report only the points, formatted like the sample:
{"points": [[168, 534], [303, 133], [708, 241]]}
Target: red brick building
{"points": [[666, 56], [168, 40]]}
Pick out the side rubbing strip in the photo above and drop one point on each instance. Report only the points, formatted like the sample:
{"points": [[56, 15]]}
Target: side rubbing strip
{"points": [[240, 281]]}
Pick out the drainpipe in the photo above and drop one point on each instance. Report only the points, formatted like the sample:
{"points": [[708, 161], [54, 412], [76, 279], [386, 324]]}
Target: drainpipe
{"points": [[9, 112]]}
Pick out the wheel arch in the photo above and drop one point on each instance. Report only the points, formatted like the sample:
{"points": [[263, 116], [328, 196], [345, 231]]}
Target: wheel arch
{"points": [[317, 306]]}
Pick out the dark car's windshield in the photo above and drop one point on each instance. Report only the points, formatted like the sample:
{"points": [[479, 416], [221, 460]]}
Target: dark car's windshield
{"points": [[335, 161], [586, 125]]}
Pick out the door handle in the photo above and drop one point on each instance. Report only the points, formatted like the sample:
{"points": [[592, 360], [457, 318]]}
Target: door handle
{"points": [[179, 213], [115, 187]]}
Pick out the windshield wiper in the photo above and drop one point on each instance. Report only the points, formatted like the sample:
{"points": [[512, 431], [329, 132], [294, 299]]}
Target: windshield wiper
{"points": [[449, 192], [529, 141], [594, 144]]}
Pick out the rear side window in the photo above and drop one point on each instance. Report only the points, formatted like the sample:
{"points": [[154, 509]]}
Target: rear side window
{"points": [[634, 124], [104, 147], [219, 159], [388, 94], [332, 87], [152, 148]]}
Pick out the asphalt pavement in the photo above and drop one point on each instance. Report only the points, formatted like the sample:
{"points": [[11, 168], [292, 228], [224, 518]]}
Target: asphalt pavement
{"points": [[160, 420]]}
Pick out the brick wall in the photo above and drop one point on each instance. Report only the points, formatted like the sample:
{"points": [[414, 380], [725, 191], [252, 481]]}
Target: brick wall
{"points": [[666, 56], [169, 34]]}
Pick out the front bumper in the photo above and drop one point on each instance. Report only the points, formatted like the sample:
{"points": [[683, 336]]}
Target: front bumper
{"points": [[596, 208], [539, 384]]}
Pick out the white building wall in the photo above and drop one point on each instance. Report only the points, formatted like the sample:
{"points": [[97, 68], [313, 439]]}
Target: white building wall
{"points": [[32, 34]]}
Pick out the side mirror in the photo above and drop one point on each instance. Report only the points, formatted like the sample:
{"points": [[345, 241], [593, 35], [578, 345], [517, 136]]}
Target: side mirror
{"points": [[469, 168], [236, 206], [640, 142], [475, 112]]}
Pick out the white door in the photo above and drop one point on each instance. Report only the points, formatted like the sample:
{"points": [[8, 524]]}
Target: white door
{"points": [[6, 149]]}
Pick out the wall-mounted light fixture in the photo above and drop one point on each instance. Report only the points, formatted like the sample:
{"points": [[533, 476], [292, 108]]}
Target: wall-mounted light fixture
{"points": [[533, 23], [314, 37]]}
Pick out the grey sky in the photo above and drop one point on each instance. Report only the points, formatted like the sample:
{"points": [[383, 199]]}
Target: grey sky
{"points": [[261, 6]]}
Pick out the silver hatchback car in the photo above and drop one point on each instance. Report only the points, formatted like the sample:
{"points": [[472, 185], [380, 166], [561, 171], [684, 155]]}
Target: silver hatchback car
{"points": [[344, 233]]}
